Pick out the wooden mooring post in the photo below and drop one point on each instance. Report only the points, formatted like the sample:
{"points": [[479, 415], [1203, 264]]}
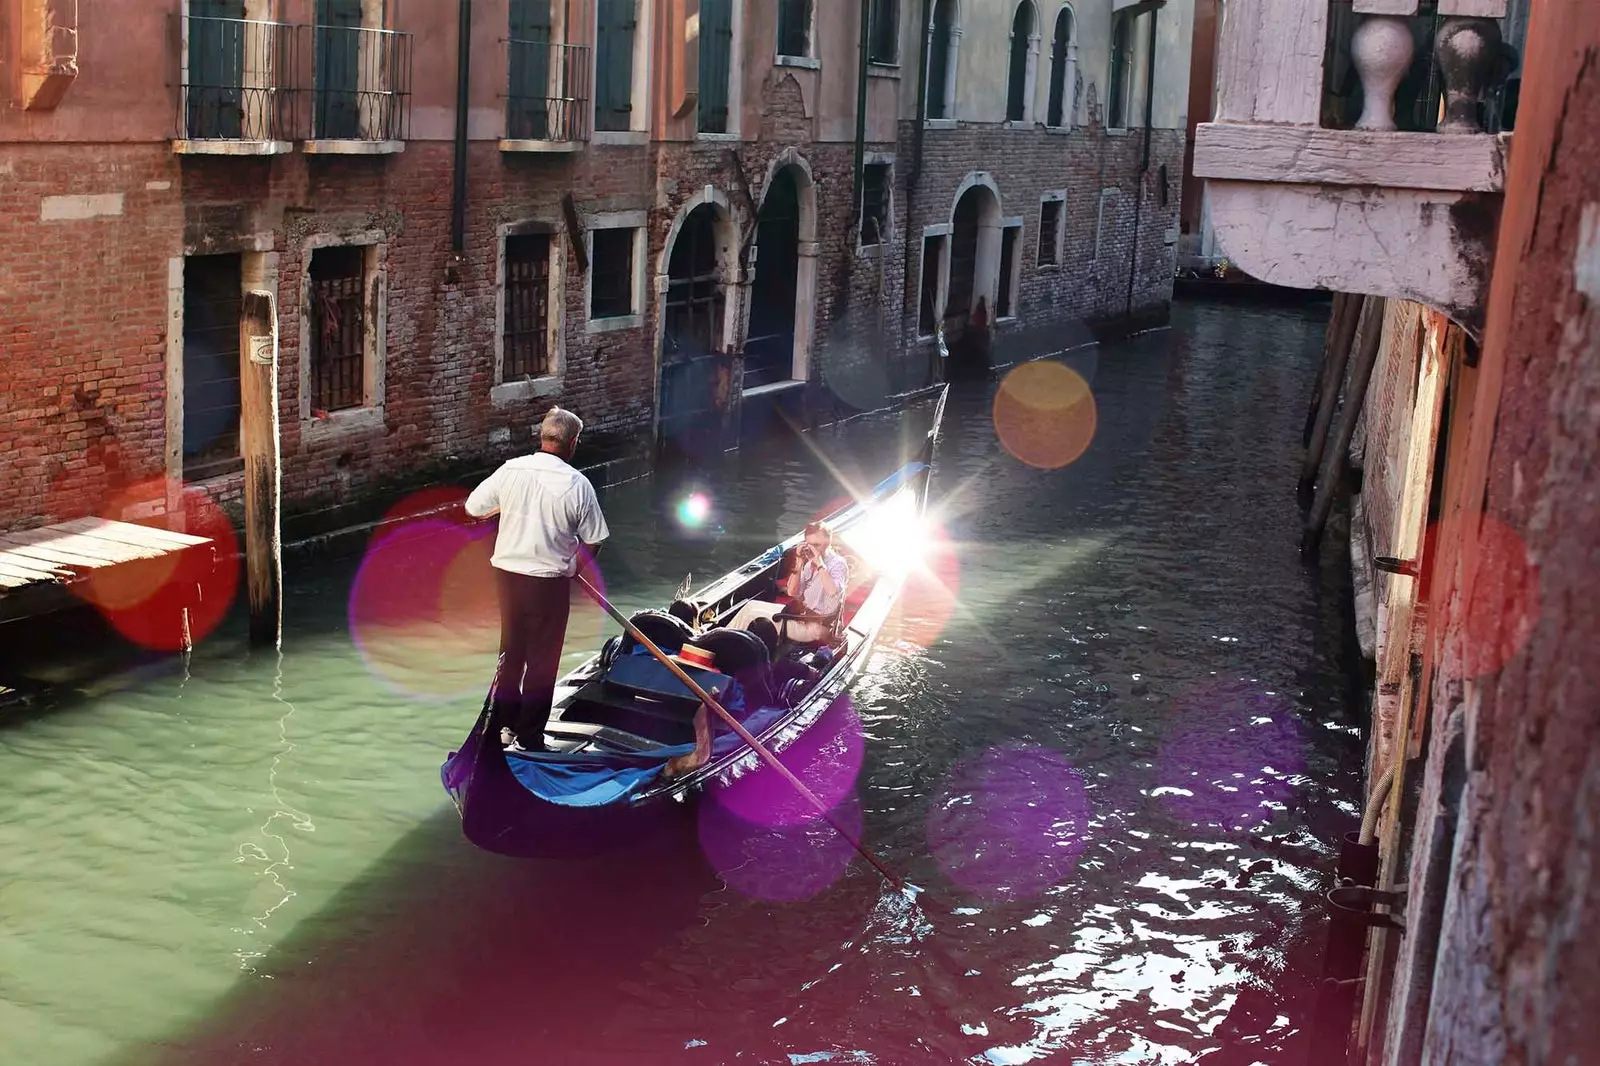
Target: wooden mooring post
{"points": [[1335, 357], [1338, 451], [258, 444]]}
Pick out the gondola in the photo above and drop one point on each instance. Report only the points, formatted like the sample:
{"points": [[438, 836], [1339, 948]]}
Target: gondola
{"points": [[617, 720]]}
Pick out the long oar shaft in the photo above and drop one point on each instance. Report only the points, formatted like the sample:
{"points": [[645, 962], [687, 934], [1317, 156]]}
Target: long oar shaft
{"points": [[738, 727]]}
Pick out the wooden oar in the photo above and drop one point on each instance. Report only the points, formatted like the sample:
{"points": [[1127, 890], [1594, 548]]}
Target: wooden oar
{"points": [[744, 734]]}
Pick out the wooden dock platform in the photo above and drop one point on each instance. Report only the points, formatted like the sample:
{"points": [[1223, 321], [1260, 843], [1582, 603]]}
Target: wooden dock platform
{"points": [[47, 569]]}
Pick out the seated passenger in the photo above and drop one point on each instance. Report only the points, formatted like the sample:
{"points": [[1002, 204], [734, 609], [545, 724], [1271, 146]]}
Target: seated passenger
{"points": [[816, 589], [783, 670]]}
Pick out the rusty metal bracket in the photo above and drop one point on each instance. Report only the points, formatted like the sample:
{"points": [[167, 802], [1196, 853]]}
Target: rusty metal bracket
{"points": [[1405, 567], [1355, 901]]}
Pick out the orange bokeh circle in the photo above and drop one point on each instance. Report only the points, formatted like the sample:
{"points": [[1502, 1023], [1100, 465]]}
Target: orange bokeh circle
{"points": [[1044, 414]]}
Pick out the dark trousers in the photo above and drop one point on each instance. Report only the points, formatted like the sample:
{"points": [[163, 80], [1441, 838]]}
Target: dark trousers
{"points": [[533, 623]]}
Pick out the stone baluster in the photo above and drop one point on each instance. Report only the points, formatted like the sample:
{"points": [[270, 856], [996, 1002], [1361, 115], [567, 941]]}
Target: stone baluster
{"points": [[1471, 60], [1381, 50]]}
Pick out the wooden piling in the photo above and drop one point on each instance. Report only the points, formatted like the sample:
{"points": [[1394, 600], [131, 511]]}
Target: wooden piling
{"points": [[1338, 356], [1341, 307], [1339, 455], [259, 446]]}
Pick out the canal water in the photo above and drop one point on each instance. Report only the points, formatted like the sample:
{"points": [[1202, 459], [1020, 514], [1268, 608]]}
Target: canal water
{"points": [[1108, 733]]}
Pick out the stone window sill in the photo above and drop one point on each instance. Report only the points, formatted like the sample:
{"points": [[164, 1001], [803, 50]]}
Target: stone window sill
{"points": [[619, 137], [1047, 268], [941, 123], [1059, 131], [726, 138], [182, 146], [1020, 124], [872, 251], [772, 387], [341, 146], [883, 70], [354, 422], [513, 145], [615, 324], [1118, 131], [515, 392], [803, 62]]}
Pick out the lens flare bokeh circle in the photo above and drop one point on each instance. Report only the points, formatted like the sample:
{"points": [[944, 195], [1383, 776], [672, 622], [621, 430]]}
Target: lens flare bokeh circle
{"points": [[1010, 822], [423, 609], [160, 603], [782, 863], [1044, 414], [693, 510], [826, 758], [1230, 755]]}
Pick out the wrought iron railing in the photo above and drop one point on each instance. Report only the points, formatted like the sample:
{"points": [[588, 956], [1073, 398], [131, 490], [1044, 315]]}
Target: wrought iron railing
{"points": [[360, 83], [237, 78], [547, 91]]}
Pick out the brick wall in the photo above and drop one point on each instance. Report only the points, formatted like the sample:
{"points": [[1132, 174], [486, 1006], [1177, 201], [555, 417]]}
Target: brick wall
{"points": [[1057, 305], [83, 311]]}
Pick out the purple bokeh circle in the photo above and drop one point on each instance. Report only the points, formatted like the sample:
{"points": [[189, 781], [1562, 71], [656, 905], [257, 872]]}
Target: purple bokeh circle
{"points": [[783, 863], [1010, 822], [827, 758], [1229, 755]]}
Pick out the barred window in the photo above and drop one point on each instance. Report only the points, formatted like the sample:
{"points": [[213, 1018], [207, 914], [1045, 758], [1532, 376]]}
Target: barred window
{"points": [[875, 204], [1049, 232], [527, 308], [611, 277], [338, 328]]}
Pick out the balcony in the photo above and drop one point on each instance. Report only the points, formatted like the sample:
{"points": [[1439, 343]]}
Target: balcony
{"points": [[547, 96], [360, 96], [234, 96], [1358, 146]]}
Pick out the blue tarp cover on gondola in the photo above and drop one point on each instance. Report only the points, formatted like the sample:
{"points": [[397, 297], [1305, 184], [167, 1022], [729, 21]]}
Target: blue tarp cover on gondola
{"points": [[602, 779]]}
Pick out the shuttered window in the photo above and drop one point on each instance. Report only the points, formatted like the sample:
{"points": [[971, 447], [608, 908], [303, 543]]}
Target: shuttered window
{"points": [[716, 58], [613, 65], [528, 56]]}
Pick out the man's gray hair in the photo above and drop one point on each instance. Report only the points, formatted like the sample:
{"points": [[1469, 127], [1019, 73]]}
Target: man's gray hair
{"points": [[560, 427]]}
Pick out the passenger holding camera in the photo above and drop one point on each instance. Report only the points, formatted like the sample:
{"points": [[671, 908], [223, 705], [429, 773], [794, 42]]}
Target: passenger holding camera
{"points": [[816, 590]]}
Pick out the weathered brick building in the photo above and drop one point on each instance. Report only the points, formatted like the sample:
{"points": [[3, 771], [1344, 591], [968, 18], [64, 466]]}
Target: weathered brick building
{"points": [[646, 210]]}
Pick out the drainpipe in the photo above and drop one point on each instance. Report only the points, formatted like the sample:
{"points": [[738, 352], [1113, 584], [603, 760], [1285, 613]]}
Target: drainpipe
{"points": [[458, 189], [912, 286], [861, 109], [1154, 7]]}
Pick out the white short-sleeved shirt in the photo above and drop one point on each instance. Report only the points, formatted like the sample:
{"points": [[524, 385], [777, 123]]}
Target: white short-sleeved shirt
{"points": [[546, 510], [812, 592]]}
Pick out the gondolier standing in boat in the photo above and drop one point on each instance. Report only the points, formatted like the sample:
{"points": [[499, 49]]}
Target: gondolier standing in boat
{"points": [[550, 524]]}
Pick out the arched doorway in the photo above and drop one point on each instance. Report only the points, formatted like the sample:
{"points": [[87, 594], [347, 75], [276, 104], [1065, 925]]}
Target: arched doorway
{"points": [[769, 350], [694, 316], [969, 307]]}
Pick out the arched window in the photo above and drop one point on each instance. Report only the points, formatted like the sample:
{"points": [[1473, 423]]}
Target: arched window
{"points": [[944, 40], [1019, 84], [1063, 73], [1124, 59]]}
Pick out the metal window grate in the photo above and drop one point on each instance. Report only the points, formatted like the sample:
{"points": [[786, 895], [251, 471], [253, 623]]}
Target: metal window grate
{"points": [[527, 314], [611, 281], [875, 203], [693, 306], [338, 328], [1049, 231]]}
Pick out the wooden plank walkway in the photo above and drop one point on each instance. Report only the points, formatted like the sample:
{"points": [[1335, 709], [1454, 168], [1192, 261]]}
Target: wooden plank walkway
{"points": [[68, 552]]}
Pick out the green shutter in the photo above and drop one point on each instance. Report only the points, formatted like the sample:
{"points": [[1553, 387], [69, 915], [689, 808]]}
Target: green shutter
{"points": [[529, 80], [614, 65], [716, 54]]}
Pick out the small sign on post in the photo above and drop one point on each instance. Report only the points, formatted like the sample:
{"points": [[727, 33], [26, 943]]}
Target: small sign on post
{"points": [[258, 446]]}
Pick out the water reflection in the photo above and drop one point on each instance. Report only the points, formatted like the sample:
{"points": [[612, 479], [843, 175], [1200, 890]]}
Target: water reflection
{"points": [[255, 866]]}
